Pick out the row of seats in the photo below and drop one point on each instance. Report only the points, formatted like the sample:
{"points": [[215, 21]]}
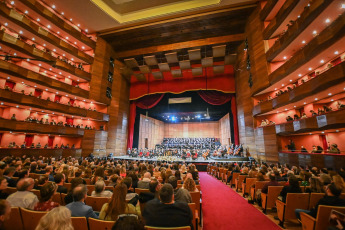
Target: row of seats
{"points": [[285, 211]]}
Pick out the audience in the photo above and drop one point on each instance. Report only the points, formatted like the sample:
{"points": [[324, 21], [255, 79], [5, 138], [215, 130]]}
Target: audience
{"points": [[46, 204], [24, 198], [3, 187], [5, 211], [189, 185], [59, 179], [117, 205], [78, 207], [100, 190], [57, 218], [144, 183], [165, 212], [180, 194], [128, 222], [293, 187], [154, 188]]}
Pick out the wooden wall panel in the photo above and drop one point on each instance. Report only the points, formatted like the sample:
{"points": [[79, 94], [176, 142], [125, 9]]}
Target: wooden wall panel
{"points": [[224, 130], [151, 129], [192, 129]]}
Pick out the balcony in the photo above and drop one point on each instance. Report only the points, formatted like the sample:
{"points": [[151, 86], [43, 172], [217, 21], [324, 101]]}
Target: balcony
{"points": [[21, 72], [20, 22], [22, 99], [285, 128], [22, 126], [17, 44], [40, 152], [53, 18], [290, 10], [320, 84]]}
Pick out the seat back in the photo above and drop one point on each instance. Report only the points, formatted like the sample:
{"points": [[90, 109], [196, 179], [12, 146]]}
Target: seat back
{"points": [[323, 213], [68, 186], [109, 188], [193, 209], [57, 198], [314, 198], [70, 179], [196, 199], [240, 180], [272, 195], [162, 228], [224, 174], [248, 185], [198, 187], [37, 193], [10, 190], [95, 224], [342, 196], [295, 201], [140, 190], [63, 195], [16, 218], [31, 218], [90, 189], [87, 180], [96, 202], [79, 223], [235, 175]]}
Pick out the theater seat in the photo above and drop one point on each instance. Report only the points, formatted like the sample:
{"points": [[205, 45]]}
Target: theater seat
{"points": [[95, 224], [162, 228], [16, 218], [322, 220], [314, 198], [140, 190], [195, 215], [96, 202], [246, 186], [31, 218], [90, 189], [286, 211], [79, 223], [269, 199], [57, 198]]}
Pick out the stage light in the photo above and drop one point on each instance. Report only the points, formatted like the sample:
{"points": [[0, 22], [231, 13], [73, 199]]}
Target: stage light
{"points": [[173, 118], [198, 116]]}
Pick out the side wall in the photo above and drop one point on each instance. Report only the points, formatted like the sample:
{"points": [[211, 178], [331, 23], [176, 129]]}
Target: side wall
{"points": [[151, 129], [224, 130]]}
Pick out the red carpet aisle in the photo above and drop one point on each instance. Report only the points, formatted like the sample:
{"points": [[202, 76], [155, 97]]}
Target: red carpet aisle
{"points": [[224, 209]]}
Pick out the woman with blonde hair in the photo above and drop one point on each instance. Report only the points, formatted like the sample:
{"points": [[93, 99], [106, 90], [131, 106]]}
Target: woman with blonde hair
{"points": [[57, 219], [117, 205], [189, 184], [339, 182]]}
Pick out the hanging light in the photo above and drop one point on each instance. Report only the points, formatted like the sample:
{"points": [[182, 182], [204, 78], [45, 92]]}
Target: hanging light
{"points": [[147, 116]]}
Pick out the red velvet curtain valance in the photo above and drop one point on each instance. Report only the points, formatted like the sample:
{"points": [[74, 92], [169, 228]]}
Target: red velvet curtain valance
{"points": [[214, 97]]}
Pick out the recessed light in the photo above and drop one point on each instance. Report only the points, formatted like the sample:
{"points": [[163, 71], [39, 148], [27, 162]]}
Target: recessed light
{"points": [[67, 38], [12, 2], [343, 5], [71, 19], [310, 69], [58, 32], [40, 64], [316, 99], [46, 89], [285, 109], [60, 73], [17, 106], [57, 92], [28, 59], [328, 20], [285, 57], [294, 106], [35, 86], [300, 75], [277, 111], [332, 99], [337, 131], [66, 95], [54, 50], [33, 39], [336, 52], [15, 54], [322, 132], [309, 133], [78, 25], [38, 19], [8, 77], [26, 12], [290, 80], [72, 59], [75, 43], [329, 94], [44, 44], [282, 84], [62, 13], [305, 103], [53, 6], [48, 26], [314, 32], [21, 32], [86, 30], [6, 24], [322, 61], [63, 54], [83, 47], [303, 42], [2, 103]]}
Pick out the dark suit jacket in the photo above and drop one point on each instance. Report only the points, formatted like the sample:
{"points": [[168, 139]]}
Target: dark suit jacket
{"points": [[79, 209], [158, 214], [62, 189], [11, 183], [327, 200]]}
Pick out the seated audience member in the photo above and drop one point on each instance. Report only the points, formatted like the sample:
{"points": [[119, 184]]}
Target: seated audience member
{"points": [[289, 118], [100, 190], [180, 194], [38, 146], [154, 188], [144, 183], [114, 180], [5, 211], [23, 146], [325, 179], [304, 116], [303, 150], [74, 183], [134, 177], [293, 187], [24, 198], [189, 185], [3, 187], [13, 117], [331, 199], [8, 174], [118, 205], [334, 149], [295, 117], [131, 196], [128, 222], [59, 179], [165, 212], [49, 173], [315, 186], [78, 207], [46, 204], [339, 182], [272, 182], [57, 218], [237, 170]]}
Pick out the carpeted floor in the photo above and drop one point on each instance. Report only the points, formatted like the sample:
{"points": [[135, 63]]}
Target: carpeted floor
{"points": [[224, 209]]}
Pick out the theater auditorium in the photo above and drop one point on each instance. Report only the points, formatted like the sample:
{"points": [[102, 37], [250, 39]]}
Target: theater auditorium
{"points": [[172, 114]]}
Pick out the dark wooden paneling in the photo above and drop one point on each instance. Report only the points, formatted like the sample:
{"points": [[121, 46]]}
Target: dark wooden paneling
{"points": [[192, 28], [270, 4], [305, 19], [94, 142], [28, 25]]}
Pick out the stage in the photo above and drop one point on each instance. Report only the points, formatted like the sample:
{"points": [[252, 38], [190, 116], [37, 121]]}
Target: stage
{"points": [[198, 160]]}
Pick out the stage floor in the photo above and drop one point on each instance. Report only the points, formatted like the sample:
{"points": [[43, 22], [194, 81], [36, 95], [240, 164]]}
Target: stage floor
{"points": [[198, 160]]}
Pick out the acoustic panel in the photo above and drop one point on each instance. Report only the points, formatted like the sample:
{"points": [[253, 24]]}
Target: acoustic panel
{"points": [[194, 54], [219, 51], [176, 73], [131, 62], [157, 75], [164, 67], [207, 62], [197, 71], [144, 69], [150, 60], [171, 57], [218, 69], [185, 64]]}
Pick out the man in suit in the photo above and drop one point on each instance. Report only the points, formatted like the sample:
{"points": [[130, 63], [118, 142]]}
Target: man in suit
{"points": [[144, 183], [78, 207], [166, 212], [59, 178]]}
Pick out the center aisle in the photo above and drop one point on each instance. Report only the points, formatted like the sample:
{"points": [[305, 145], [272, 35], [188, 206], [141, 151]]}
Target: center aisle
{"points": [[224, 209]]}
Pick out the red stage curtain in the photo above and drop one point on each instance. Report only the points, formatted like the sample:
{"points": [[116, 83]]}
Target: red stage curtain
{"points": [[71, 101], [29, 139], [324, 143], [234, 116], [131, 121], [214, 97], [51, 141], [146, 102], [57, 98], [10, 84], [69, 121], [37, 93], [74, 83]]}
